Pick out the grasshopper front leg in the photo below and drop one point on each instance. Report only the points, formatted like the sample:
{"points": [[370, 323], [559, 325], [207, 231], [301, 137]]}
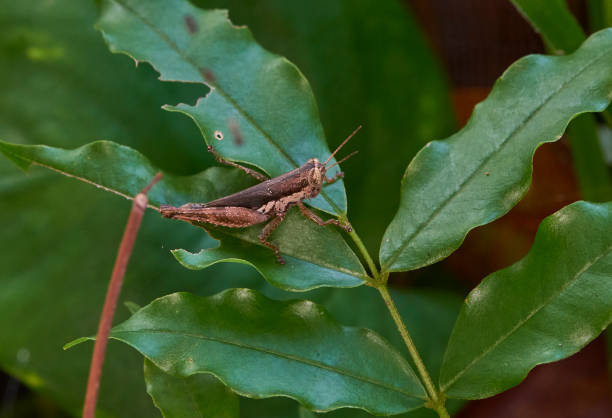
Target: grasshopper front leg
{"points": [[334, 178], [316, 219], [247, 170]]}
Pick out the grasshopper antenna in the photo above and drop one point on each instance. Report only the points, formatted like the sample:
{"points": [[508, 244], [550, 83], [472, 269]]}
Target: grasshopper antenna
{"points": [[342, 144], [342, 160]]}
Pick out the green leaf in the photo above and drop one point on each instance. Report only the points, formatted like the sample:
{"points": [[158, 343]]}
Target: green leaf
{"points": [[255, 92], [313, 260], [554, 22], [60, 86], [398, 93], [131, 306], [588, 159], [544, 308], [429, 315], [199, 395], [57, 277], [319, 258], [600, 14], [121, 170], [262, 348], [563, 34], [480, 173]]}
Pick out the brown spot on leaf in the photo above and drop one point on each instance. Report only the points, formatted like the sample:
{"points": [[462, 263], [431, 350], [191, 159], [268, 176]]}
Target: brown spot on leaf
{"points": [[236, 132], [218, 135], [209, 76], [191, 24]]}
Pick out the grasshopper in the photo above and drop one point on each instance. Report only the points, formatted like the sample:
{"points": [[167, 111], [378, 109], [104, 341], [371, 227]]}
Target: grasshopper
{"points": [[267, 201]]}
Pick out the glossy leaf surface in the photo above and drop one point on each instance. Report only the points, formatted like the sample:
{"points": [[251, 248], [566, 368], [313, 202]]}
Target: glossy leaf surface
{"points": [[563, 34], [429, 315], [478, 174], [260, 109], [544, 308], [262, 348], [319, 258]]}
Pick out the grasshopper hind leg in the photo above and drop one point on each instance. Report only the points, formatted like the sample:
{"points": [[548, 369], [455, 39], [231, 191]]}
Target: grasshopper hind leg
{"points": [[265, 234]]}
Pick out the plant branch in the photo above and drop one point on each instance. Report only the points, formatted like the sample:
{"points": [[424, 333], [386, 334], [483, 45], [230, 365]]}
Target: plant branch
{"points": [[435, 399], [364, 253], [112, 294]]}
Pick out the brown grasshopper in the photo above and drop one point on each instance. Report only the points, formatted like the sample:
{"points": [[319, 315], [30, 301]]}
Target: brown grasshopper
{"points": [[269, 200]]}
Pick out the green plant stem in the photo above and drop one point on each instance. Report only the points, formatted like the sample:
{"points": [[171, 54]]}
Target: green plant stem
{"points": [[436, 401], [364, 253]]}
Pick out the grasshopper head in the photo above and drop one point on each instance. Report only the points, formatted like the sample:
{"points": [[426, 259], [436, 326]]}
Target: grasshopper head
{"points": [[315, 177], [316, 170]]}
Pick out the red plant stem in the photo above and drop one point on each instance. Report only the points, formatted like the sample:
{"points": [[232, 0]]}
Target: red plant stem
{"points": [[112, 294]]}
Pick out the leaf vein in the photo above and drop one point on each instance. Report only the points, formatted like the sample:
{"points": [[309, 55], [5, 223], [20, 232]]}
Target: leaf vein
{"points": [[297, 359], [74, 176]]}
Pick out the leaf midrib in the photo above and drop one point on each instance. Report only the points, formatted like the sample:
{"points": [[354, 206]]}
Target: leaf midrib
{"points": [[270, 352], [215, 86], [478, 167], [32, 161], [520, 323]]}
